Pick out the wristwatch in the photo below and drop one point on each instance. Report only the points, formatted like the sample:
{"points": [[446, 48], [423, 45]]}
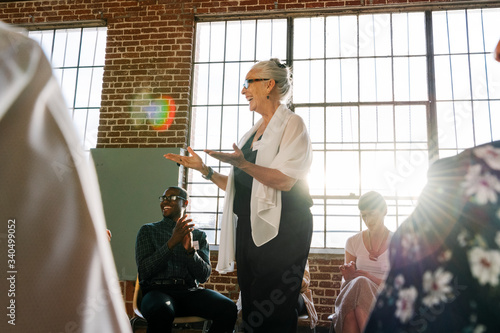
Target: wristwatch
{"points": [[209, 174]]}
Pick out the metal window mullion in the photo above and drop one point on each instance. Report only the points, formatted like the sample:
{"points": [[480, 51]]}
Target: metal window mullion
{"points": [[208, 107], [310, 62], [221, 124], [486, 78], [340, 60], [63, 70], [208, 86], [432, 130], [324, 132], [52, 47], [393, 94], [90, 88], [77, 68], [271, 48], [470, 76], [409, 113], [240, 80], [324, 172], [451, 79], [255, 41], [359, 116]]}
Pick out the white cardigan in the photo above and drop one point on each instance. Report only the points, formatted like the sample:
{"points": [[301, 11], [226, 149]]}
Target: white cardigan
{"points": [[285, 146]]}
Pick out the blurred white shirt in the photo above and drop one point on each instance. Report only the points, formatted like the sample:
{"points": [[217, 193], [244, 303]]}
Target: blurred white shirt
{"points": [[62, 277]]}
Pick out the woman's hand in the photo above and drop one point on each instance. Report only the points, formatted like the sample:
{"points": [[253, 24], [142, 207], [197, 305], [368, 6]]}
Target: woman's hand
{"points": [[196, 163], [193, 162], [236, 159], [348, 271]]}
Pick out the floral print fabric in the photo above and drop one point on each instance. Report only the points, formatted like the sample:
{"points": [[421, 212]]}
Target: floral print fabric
{"points": [[445, 258]]}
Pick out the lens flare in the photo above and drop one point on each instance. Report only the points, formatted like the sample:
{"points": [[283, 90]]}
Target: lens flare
{"points": [[161, 112]]}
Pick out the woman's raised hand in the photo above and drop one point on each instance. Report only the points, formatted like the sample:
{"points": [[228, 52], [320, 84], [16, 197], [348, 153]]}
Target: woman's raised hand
{"points": [[193, 162], [236, 159]]}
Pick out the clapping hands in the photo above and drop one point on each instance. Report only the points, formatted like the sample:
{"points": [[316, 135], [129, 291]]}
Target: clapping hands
{"points": [[182, 233]]}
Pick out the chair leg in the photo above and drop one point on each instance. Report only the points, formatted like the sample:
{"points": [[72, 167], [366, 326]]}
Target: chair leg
{"points": [[205, 328], [137, 321], [132, 323]]}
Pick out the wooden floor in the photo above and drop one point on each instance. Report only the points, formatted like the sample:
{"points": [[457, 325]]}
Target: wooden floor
{"points": [[197, 328], [299, 330], [143, 330]]}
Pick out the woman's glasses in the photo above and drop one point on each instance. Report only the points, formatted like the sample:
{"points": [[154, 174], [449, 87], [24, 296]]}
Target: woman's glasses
{"points": [[248, 81]]}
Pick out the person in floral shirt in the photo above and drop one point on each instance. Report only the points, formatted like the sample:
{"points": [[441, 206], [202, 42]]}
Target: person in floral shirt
{"points": [[445, 258]]}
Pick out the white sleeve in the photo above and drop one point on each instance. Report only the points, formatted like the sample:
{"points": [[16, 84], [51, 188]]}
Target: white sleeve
{"points": [[350, 245], [294, 157], [62, 270]]}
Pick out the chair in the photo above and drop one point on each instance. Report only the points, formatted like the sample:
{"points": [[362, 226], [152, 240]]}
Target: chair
{"points": [[140, 318], [305, 319], [332, 329]]}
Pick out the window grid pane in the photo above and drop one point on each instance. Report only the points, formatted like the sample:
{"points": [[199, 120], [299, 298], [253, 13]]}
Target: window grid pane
{"points": [[361, 86], [467, 78], [77, 57], [219, 114]]}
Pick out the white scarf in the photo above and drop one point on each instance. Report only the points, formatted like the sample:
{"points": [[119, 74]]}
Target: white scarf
{"points": [[285, 146]]}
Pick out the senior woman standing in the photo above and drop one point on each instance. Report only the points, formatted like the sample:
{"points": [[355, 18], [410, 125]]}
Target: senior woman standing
{"points": [[266, 190]]}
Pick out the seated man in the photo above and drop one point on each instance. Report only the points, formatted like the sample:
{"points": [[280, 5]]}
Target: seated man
{"points": [[172, 259]]}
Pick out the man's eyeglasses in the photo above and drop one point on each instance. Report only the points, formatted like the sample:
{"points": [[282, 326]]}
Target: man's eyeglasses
{"points": [[248, 81], [170, 198]]}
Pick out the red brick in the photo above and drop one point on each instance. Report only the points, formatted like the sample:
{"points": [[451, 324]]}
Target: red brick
{"points": [[329, 268], [119, 140]]}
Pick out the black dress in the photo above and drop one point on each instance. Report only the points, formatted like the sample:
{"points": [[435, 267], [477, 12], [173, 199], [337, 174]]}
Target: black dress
{"points": [[270, 276]]}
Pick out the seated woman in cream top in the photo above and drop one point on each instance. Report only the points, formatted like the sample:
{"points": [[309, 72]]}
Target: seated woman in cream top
{"points": [[367, 263]]}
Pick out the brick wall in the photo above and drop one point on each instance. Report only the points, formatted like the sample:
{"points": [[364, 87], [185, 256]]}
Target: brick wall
{"points": [[148, 57]]}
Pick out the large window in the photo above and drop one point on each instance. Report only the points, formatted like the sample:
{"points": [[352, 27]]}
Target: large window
{"points": [[364, 84], [360, 85], [77, 57], [467, 78]]}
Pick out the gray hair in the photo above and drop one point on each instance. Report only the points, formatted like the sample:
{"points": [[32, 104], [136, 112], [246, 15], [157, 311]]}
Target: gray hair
{"points": [[372, 201], [280, 73]]}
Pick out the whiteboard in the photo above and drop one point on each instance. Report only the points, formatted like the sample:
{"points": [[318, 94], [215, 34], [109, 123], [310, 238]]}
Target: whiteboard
{"points": [[131, 179]]}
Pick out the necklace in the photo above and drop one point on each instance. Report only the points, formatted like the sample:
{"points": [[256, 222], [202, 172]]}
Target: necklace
{"points": [[373, 255]]}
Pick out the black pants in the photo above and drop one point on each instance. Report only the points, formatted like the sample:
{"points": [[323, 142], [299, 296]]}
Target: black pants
{"points": [[161, 305], [270, 276], [301, 306]]}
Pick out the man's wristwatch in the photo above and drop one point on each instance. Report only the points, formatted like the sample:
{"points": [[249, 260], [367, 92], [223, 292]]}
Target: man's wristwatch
{"points": [[209, 174]]}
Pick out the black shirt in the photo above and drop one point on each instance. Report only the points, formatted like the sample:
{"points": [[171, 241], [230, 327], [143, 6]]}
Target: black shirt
{"points": [[293, 202]]}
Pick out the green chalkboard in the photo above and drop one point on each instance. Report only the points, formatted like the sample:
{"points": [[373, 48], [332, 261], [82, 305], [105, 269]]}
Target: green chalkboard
{"points": [[131, 179]]}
